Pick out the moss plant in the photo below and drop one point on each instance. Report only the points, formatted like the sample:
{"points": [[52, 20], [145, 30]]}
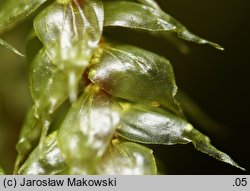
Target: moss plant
{"points": [[118, 98]]}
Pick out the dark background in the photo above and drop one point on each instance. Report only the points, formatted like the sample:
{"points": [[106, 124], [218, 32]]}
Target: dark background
{"points": [[217, 81]]}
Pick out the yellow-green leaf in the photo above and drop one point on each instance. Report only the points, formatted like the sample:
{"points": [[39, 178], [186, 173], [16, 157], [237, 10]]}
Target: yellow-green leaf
{"points": [[137, 75], [138, 16], [150, 125], [45, 162], [87, 129], [127, 158], [2, 171], [70, 33], [10, 47], [14, 11]]}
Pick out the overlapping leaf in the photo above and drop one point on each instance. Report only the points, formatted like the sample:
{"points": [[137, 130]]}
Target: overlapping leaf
{"points": [[155, 126], [45, 162], [138, 16], [11, 48], [150, 125], [14, 11], [136, 75], [70, 33], [47, 85], [127, 158], [29, 133], [87, 129]]}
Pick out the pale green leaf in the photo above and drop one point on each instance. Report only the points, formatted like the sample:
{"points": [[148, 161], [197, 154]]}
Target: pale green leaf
{"points": [[150, 125], [154, 126], [2, 171], [127, 158], [137, 75], [11, 48], [87, 129], [47, 85], [202, 143], [29, 133], [138, 16], [70, 33], [150, 3], [14, 11], [46, 162]]}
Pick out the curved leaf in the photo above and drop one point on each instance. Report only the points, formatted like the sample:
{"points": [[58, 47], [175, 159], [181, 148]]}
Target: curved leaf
{"points": [[149, 125], [137, 75], [87, 129], [70, 33], [47, 85], [202, 143], [150, 3], [46, 162], [127, 158], [29, 133], [155, 126], [11, 48], [137, 16], [13, 11]]}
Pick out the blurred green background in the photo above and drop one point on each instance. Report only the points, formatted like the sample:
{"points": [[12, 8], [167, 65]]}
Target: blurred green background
{"points": [[218, 81]]}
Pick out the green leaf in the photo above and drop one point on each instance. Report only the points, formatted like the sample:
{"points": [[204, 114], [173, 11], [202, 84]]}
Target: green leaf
{"points": [[29, 133], [136, 75], [127, 158], [2, 171], [87, 129], [14, 11], [150, 3], [202, 143], [46, 162], [11, 48], [137, 16], [149, 125], [47, 85], [155, 126], [70, 33]]}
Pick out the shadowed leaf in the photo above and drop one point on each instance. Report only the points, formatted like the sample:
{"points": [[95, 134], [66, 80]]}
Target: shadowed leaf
{"points": [[127, 158]]}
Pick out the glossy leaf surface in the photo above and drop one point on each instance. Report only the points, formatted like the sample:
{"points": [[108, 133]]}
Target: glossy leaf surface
{"points": [[11, 48], [151, 125], [70, 33], [47, 85], [127, 158], [45, 162], [155, 126], [138, 16], [14, 11], [137, 75], [87, 129]]}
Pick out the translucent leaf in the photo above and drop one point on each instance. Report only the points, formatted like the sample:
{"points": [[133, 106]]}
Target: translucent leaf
{"points": [[46, 162], [29, 133], [2, 171], [202, 143], [70, 33], [149, 125], [127, 158], [47, 85], [137, 75], [155, 126], [150, 3], [8, 46], [137, 16], [14, 11], [87, 129]]}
